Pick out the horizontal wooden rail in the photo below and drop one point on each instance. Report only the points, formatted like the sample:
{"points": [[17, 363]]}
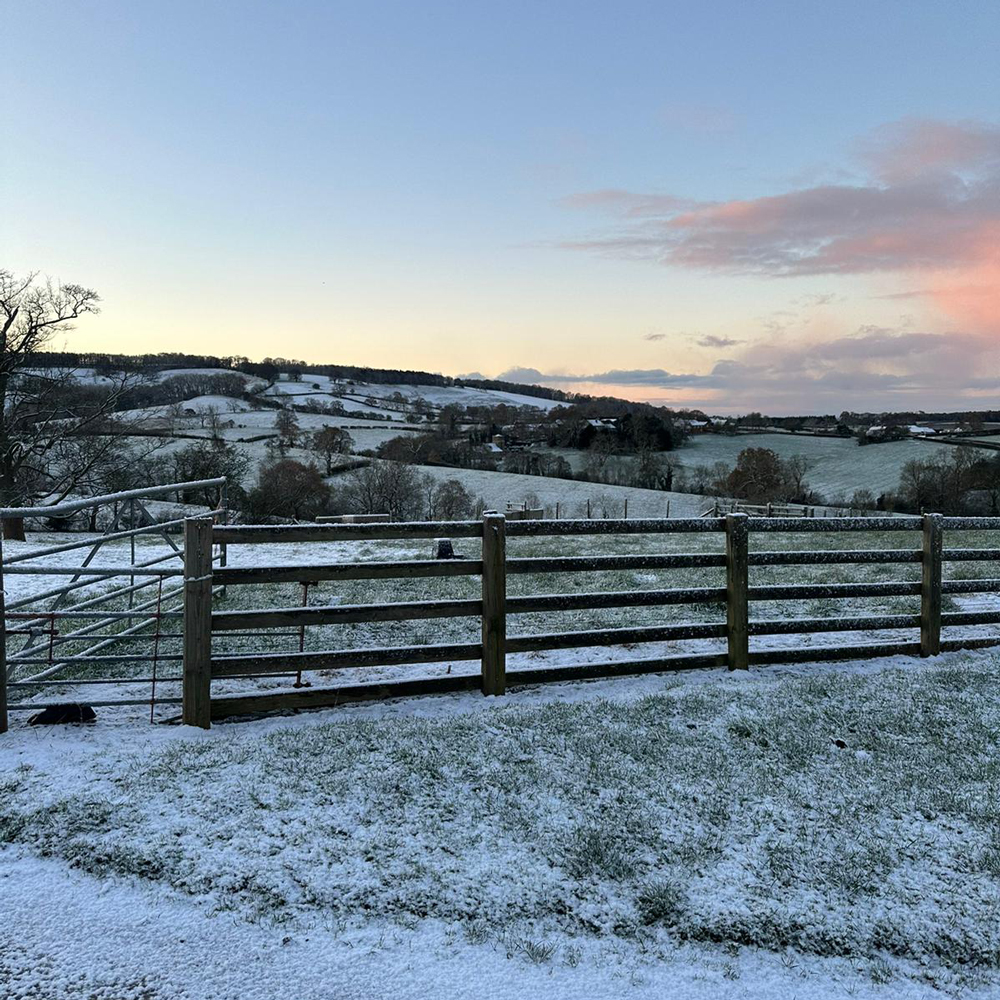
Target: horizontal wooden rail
{"points": [[615, 636], [262, 663], [799, 524], [819, 557], [307, 698], [614, 599], [349, 571], [970, 523], [616, 526], [861, 623], [343, 614], [983, 586], [970, 555], [597, 564], [970, 642], [259, 534], [820, 654], [807, 591], [226, 706], [970, 618]]}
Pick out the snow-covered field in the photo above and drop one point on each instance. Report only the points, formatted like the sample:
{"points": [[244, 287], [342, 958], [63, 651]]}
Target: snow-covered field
{"points": [[823, 832], [839, 465], [499, 488], [433, 395]]}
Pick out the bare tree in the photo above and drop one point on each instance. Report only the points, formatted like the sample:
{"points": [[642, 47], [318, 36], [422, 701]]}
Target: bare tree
{"points": [[382, 487], [287, 488], [174, 414], [43, 412], [329, 442], [287, 426], [214, 420], [450, 500], [797, 466]]}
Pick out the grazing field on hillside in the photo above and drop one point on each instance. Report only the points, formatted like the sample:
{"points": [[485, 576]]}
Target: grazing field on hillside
{"points": [[498, 488], [839, 465], [432, 395], [843, 823]]}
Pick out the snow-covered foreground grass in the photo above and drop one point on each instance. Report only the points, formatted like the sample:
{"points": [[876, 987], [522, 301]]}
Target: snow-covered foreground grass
{"points": [[843, 822]]}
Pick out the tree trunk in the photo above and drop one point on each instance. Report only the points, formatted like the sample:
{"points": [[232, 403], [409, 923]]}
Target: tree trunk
{"points": [[13, 527]]}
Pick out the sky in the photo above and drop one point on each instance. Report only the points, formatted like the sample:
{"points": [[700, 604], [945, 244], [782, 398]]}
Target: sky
{"points": [[785, 207]]}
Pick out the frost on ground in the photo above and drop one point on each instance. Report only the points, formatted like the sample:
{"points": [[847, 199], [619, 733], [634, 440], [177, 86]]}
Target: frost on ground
{"points": [[835, 816]]}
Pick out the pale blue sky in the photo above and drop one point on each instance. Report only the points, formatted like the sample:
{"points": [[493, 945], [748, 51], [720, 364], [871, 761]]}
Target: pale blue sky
{"points": [[383, 183]]}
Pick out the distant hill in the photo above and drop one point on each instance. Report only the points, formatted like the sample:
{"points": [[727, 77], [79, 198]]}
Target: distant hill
{"points": [[271, 368]]}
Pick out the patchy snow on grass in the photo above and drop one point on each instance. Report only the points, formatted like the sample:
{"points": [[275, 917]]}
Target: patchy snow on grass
{"points": [[814, 831], [839, 466], [499, 488], [433, 395]]}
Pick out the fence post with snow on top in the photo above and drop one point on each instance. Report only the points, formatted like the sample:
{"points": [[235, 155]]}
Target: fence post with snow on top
{"points": [[196, 707], [930, 586], [737, 606], [494, 655]]}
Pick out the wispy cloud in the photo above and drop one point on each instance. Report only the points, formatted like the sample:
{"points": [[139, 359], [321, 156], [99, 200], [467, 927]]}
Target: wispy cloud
{"points": [[655, 336], [711, 340], [627, 204], [815, 300], [930, 203]]}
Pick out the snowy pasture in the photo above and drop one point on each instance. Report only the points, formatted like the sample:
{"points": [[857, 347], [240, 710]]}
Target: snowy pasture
{"points": [[839, 466], [498, 488], [433, 395], [822, 832]]}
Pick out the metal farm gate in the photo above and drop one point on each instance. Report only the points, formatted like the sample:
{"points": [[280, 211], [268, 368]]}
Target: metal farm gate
{"points": [[114, 627]]}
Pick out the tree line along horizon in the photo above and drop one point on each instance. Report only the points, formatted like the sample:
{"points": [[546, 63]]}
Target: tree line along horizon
{"points": [[62, 435]]}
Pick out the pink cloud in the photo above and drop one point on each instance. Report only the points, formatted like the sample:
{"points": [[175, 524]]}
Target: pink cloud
{"points": [[931, 206]]}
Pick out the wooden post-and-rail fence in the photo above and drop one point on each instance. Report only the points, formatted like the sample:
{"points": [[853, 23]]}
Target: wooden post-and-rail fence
{"points": [[494, 607]]}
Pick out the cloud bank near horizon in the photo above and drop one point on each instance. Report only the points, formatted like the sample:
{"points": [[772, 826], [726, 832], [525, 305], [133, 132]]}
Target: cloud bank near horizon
{"points": [[875, 368]]}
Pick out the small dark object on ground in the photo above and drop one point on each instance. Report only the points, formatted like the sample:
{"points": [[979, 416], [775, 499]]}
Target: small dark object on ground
{"points": [[443, 549], [54, 715]]}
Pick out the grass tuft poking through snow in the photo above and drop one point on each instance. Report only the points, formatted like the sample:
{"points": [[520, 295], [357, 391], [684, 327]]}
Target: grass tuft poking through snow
{"points": [[851, 815]]}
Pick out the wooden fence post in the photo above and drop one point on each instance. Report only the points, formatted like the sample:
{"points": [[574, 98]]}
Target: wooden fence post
{"points": [[737, 607], [196, 708], [494, 603], [3, 647], [223, 548], [930, 587]]}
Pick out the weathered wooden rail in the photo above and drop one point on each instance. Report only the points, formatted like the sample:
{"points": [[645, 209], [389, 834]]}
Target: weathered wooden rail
{"points": [[493, 606]]}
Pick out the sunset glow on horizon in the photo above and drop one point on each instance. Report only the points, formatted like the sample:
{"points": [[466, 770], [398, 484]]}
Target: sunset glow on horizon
{"points": [[790, 209]]}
